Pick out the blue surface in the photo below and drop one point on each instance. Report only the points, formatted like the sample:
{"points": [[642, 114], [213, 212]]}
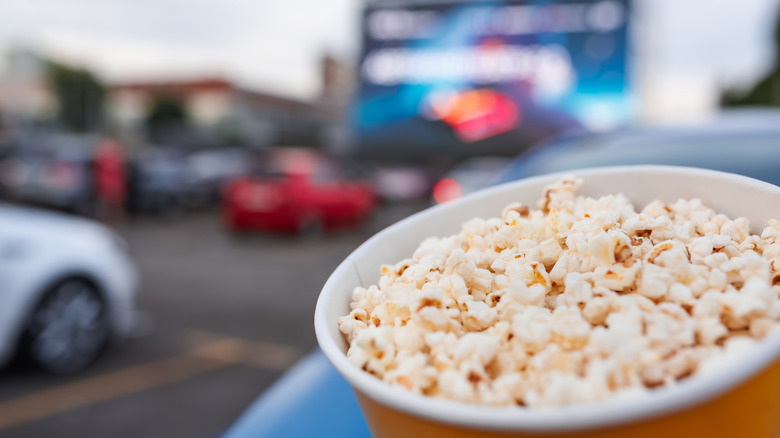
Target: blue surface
{"points": [[312, 399]]}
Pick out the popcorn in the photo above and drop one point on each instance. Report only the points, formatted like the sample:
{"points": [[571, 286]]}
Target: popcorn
{"points": [[582, 300], [412, 373], [479, 316], [375, 350], [532, 328], [568, 328]]}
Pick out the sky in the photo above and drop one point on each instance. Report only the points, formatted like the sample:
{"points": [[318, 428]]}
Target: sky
{"points": [[729, 40], [690, 46], [694, 49]]}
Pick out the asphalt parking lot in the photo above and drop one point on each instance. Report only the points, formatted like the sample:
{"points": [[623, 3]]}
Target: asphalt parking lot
{"points": [[223, 316]]}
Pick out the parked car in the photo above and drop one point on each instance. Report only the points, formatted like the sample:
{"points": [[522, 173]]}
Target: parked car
{"points": [[402, 182], [211, 169], [469, 176], [743, 142], [67, 287], [50, 170], [161, 181], [296, 191]]}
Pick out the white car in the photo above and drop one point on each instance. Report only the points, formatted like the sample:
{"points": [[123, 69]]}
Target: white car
{"points": [[67, 286]]}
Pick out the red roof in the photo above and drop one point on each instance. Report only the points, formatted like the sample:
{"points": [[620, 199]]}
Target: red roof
{"points": [[176, 87], [270, 101], [184, 88]]}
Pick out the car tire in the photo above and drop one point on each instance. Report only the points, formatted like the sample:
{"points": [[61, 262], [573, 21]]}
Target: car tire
{"points": [[68, 329]]}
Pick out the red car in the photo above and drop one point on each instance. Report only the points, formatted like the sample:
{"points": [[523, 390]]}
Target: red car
{"points": [[299, 192]]}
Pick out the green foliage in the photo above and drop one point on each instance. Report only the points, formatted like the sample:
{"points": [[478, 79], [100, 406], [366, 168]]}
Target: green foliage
{"points": [[80, 97], [166, 111]]}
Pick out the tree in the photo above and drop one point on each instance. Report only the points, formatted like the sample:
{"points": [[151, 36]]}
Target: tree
{"points": [[80, 97], [166, 111], [166, 119]]}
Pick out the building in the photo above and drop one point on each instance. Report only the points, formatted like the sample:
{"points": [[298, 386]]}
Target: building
{"points": [[224, 112], [221, 111], [218, 111], [25, 92]]}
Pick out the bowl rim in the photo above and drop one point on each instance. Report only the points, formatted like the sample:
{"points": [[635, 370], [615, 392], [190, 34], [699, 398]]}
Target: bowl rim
{"points": [[616, 411]]}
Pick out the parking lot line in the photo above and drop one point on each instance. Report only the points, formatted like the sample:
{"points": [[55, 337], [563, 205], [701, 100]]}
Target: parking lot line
{"points": [[102, 388], [235, 350], [208, 352]]}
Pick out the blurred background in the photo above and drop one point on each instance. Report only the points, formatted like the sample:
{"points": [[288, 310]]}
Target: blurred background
{"points": [[178, 178]]}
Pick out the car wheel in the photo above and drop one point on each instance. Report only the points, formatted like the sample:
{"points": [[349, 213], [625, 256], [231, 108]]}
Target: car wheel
{"points": [[68, 329]]}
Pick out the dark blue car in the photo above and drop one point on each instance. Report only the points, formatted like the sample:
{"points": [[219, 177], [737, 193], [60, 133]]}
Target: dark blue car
{"points": [[746, 143]]}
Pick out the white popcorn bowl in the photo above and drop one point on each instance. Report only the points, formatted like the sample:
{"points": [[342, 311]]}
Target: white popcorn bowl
{"points": [[738, 399]]}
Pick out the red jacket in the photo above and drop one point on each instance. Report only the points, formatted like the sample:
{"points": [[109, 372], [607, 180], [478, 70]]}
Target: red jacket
{"points": [[110, 179]]}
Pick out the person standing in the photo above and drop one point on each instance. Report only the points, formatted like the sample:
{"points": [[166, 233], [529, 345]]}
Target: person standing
{"points": [[110, 181]]}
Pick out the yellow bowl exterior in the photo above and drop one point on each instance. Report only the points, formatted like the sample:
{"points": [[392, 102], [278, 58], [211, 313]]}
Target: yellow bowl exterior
{"points": [[751, 410]]}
